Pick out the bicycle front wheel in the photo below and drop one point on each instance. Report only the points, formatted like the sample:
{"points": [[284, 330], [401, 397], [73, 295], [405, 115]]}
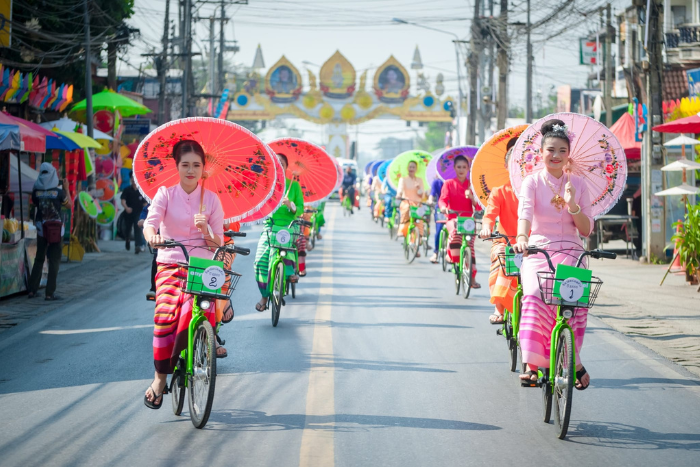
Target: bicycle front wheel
{"points": [[467, 273], [414, 245], [563, 381], [277, 293], [203, 379]]}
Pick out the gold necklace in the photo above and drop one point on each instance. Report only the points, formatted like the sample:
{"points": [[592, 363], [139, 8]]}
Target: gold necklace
{"points": [[557, 201]]}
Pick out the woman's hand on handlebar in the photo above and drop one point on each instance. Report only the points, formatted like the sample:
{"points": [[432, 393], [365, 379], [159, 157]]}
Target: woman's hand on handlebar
{"points": [[485, 232], [521, 245], [156, 240]]}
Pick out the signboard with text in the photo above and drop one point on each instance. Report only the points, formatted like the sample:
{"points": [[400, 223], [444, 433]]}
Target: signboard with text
{"points": [[588, 52]]}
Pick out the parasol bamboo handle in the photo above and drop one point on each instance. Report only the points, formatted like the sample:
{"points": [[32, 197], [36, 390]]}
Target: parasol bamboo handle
{"points": [[201, 197]]}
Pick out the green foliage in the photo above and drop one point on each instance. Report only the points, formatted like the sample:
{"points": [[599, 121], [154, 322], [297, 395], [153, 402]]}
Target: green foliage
{"points": [[688, 239], [434, 137], [516, 112]]}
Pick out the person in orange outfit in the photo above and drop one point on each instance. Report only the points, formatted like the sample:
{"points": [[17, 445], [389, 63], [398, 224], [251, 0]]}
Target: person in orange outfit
{"points": [[502, 205], [410, 192]]}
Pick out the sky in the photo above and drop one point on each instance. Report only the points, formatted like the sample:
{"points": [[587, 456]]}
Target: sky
{"points": [[363, 31]]}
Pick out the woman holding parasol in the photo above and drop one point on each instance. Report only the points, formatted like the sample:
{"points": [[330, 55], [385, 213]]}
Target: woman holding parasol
{"points": [[556, 206]]}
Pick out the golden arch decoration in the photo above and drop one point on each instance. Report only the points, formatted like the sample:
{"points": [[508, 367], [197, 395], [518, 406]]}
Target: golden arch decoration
{"points": [[337, 77], [283, 82], [391, 82]]}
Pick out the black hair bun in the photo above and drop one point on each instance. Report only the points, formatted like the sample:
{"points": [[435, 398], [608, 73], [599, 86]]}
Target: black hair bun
{"points": [[548, 126]]}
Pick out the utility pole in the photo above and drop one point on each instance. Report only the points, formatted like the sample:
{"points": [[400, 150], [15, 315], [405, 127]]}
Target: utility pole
{"points": [[222, 42], [187, 38], [473, 65], [163, 68], [528, 83], [608, 67], [212, 56], [503, 43], [88, 69]]}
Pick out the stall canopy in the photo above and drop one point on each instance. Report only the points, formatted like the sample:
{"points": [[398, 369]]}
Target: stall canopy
{"points": [[66, 124], [9, 137], [29, 176], [53, 140], [32, 139], [623, 129]]}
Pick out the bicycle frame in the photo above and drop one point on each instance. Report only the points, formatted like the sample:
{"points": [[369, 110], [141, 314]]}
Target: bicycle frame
{"points": [[562, 324], [197, 318]]}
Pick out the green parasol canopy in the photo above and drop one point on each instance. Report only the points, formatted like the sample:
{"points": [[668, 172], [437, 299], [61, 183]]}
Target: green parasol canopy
{"points": [[399, 166], [88, 204], [110, 100]]}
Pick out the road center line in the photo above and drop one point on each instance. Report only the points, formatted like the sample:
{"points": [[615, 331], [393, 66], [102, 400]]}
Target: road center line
{"points": [[317, 439]]}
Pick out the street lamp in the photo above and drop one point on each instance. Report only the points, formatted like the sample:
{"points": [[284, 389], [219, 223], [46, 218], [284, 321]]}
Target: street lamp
{"points": [[456, 41]]}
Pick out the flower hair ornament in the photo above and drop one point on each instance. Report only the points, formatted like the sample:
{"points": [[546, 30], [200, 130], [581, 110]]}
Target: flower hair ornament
{"points": [[561, 130]]}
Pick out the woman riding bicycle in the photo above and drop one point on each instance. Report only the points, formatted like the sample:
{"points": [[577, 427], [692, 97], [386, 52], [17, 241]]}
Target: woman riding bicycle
{"points": [[557, 207], [502, 205], [457, 196], [175, 213], [292, 207], [348, 188], [410, 192]]}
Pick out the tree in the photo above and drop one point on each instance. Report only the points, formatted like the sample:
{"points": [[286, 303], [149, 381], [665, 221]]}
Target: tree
{"points": [[49, 37], [434, 136]]}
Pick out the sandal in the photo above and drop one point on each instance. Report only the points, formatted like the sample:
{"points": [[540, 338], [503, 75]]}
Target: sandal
{"points": [[496, 319], [529, 382], [476, 285], [260, 307], [228, 312], [579, 374], [294, 279], [152, 404], [223, 354]]}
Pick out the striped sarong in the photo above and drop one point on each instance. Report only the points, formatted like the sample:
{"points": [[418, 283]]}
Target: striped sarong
{"points": [[172, 317], [301, 246], [454, 245], [502, 287], [536, 324]]}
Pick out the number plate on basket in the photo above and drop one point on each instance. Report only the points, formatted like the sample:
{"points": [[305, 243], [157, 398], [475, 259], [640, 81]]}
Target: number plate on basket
{"points": [[418, 212], [466, 225], [205, 275], [283, 237], [572, 284], [514, 261]]}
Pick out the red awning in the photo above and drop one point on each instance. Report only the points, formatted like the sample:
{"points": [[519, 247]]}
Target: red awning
{"points": [[682, 125], [33, 140], [623, 129]]}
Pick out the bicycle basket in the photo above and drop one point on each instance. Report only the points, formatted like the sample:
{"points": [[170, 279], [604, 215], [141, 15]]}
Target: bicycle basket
{"points": [[208, 277], [553, 289], [510, 263], [420, 212], [466, 225], [283, 237]]}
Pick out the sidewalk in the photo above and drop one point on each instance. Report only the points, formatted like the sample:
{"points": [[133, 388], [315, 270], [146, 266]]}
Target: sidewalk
{"points": [[665, 318], [76, 280]]}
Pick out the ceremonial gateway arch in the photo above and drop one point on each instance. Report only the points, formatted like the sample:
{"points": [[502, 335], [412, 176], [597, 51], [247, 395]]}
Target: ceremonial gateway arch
{"points": [[336, 99]]}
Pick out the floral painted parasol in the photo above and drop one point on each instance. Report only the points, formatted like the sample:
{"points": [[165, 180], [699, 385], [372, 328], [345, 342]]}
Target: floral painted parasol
{"points": [[240, 167], [310, 165], [596, 155], [446, 161]]}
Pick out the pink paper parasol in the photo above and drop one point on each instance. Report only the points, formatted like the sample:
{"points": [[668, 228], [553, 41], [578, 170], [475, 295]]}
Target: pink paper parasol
{"points": [[596, 155]]}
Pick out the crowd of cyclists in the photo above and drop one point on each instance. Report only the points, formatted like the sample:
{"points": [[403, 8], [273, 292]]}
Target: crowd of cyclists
{"points": [[552, 212]]}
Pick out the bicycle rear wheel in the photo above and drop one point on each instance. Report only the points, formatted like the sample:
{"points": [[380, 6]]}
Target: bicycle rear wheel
{"points": [[563, 381], [203, 379], [177, 387], [294, 290], [277, 293], [414, 245], [458, 278], [467, 273]]}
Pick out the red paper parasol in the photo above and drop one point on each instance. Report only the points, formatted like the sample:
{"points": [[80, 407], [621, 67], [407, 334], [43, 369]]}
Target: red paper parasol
{"points": [[310, 165], [275, 200], [682, 125], [596, 156], [240, 167]]}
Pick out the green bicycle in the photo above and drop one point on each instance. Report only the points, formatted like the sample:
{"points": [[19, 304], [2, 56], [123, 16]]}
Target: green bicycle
{"points": [[568, 288], [510, 265], [283, 243], [313, 229], [464, 269], [207, 281], [392, 221], [413, 240]]}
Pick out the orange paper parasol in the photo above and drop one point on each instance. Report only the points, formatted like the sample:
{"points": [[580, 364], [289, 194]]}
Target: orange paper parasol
{"points": [[310, 165], [240, 167], [489, 168]]}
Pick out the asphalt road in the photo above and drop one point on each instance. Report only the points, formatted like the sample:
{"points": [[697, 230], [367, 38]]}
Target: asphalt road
{"points": [[376, 363]]}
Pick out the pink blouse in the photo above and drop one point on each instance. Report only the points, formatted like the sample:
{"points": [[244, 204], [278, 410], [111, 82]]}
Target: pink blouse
{"points": [[548, 224], [172, 212]]}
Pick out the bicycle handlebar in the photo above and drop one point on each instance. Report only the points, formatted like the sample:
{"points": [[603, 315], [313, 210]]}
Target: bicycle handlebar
{"points": [[496, 236], [595, 254], [238, 250], [231, 233]]}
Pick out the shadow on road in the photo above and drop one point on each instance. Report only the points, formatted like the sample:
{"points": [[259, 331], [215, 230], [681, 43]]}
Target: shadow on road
{"points": [[619, 435], [636, 383], [248, 420]]}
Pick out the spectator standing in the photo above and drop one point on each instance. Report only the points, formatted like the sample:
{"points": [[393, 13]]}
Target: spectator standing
{"points": [[133, 204]]}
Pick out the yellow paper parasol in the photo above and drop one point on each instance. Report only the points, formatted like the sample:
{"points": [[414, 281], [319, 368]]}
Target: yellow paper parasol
{"points": [[489, 168]]}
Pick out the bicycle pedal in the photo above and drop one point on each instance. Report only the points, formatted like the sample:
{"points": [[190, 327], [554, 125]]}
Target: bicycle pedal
{"points": [[499, 332], [220, 340], [284, 302]]}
